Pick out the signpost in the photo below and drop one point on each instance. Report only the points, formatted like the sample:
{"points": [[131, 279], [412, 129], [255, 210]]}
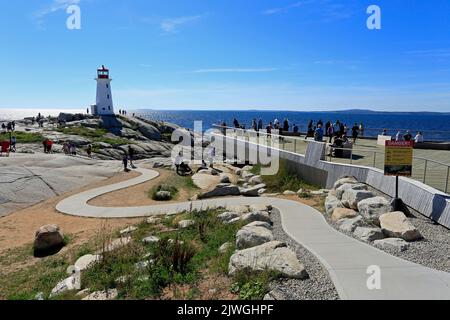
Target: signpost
{"points": [[398, 162]]}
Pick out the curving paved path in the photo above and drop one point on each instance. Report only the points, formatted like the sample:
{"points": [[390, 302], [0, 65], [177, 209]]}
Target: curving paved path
{"points": [[345, 258]]}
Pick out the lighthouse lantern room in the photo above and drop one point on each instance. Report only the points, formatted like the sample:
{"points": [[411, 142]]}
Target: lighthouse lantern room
{"points": [[104, 103]]}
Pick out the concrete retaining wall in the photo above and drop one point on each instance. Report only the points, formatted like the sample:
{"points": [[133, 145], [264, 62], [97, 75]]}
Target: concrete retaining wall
{"points": [[314, 169]]}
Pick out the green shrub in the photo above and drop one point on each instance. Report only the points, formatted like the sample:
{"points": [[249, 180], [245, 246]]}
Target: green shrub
{"points": [[173, 191]]}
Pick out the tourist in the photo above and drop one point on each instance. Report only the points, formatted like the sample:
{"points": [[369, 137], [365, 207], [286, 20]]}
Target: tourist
{"points": [[361, 130], [72, 149], [125, 162], [398, 136], [87, 110], [310, 131], [276, 123], [236, 123], [327, 126], [337, 146], [295, 128], [44, 143], [48, 146], [131, 155], [320, 122], [254, 125], [3, 127], [203, 166], [224, 128], [418, 138], [407, 136], [318, 135], [269, 129], [286, 125], [355, 130], [89, 151], [260, 124], [336, 128], [181, 165], [330, 133], [13, 125], [9, 127], [66, 148], [384, 133], [13, 144]]}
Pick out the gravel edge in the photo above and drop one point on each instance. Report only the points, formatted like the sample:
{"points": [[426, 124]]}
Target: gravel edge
{"points": [[318, 286], [433, 251]]}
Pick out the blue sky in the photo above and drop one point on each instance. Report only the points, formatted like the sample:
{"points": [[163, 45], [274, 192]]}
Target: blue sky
{"points": [[228, 54]]}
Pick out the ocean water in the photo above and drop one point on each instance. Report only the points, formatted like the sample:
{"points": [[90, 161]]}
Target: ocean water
{"points": [[433, 125]]}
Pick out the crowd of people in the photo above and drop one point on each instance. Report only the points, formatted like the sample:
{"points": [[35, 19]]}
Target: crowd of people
{"points": [[418, 138]]}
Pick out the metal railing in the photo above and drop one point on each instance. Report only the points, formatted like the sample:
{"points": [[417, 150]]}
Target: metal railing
{"points": [[431, 172]]}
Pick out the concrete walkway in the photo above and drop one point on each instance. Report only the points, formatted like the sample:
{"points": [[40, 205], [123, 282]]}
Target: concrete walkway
{"points": [[345, 258]]}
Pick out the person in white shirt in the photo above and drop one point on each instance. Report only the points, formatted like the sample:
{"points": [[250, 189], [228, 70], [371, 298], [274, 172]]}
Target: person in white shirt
{"points": [[418, 138], [398, 136], [180, 165]]}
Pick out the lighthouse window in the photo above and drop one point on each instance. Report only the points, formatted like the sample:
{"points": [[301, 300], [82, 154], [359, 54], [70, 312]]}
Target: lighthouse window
{"points": [[108, 96], [109, 107], [107, 86]]}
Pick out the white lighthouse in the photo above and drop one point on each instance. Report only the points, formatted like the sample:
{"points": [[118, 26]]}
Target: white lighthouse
{"points": [[104, 102]]}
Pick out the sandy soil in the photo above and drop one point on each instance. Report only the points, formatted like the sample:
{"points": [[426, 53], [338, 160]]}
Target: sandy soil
{"points": [[18, 228]]}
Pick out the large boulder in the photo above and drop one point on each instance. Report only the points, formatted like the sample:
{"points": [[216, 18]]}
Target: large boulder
{"points": [[349, 225], [273, 256], [228, 216], [251, 236], [87, 261], [252, 191], [260, 224], [221, 191], [110, 294], [396, 225], [71, 283], [355, 186], [392, 244], [255, 180], [372, 208], [149, 131], [351, 197], [48, 238], [256, 216], [331, 203], [342, 213], [368, 234], [344, 180]]}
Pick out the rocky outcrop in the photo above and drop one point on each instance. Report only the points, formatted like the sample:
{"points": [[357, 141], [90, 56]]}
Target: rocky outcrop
{"points": [[349, 225], [355, 186], [331, 203], [221, 191], [251, 236], [110, 294], [344, 180], [273, 256], [394, 244], [256, 216], [351, 197], [227, 216], [396, 225], [372, 208], [252, 191], [342, 213], [368, 234]]}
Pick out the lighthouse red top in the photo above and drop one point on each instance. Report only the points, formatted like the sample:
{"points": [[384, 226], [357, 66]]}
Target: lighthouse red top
{"points": [[103, 73]]}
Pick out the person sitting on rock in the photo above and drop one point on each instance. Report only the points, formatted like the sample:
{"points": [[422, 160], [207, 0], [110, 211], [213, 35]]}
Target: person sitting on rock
{"points": [[181, 165]]}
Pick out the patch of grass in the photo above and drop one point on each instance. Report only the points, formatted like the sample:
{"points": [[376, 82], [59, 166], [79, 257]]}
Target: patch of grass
{"points": [[252, 286], [23, 137], [153, 193], [284, 179], [95, 135], [173, 184]]}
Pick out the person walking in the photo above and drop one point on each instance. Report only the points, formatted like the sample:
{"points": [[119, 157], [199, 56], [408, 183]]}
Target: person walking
{"points": [[361, 130], [330, 133], [131, 155], [12, 148], [89, 151], [286, 125], [355, 130], [125, 162], [260, 124]]}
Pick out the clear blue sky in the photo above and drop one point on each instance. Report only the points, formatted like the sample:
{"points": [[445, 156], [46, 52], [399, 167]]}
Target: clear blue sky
{"points": [[228, 54]]}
